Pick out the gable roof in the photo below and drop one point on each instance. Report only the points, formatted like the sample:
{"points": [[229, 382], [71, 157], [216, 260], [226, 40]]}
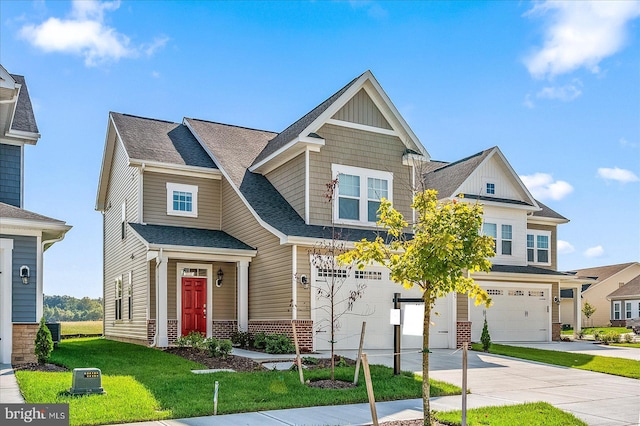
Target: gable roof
{"points": [[17, 120], [11, 218], [629, 290], [450, 176], [24, 119], [148, 139], [304, 129], [602, 273], [8, 211]]}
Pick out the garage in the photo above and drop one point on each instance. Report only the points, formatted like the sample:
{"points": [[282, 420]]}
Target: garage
{"points": [[367, 295], [520, 313]]}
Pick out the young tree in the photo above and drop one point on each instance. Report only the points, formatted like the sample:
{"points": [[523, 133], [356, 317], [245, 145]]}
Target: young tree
{"points": [[446, 246], [588, 310], [43, 343]]}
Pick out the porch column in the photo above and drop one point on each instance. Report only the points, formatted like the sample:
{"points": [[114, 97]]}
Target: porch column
{"points": [[243, 295], [577, 310], [6, 320], [162, 339]]}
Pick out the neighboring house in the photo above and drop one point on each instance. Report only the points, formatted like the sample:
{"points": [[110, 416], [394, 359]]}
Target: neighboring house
{"points": [[24, 235], [210, 227], [598, 284], [625, 303]]}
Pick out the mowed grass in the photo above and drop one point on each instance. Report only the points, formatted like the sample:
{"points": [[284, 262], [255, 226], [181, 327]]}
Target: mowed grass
{"points": [[626, 345], [74, 328], [530, 414], [593, 330], [601, 364], [148, 384]]}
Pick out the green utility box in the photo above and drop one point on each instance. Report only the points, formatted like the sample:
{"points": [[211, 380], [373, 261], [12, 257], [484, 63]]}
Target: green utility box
{"points": [[86, 381]]}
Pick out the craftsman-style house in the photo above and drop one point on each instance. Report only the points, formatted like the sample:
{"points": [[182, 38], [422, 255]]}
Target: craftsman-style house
{"points": [[210, 227], [24, 235]]}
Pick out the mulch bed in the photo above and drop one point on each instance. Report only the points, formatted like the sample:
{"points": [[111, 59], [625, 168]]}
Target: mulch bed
{"points": [[34, 366], [236, 363]]}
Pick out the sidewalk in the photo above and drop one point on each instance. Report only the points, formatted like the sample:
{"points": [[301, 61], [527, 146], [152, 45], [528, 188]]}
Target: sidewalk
{"points": [[9, 390]]}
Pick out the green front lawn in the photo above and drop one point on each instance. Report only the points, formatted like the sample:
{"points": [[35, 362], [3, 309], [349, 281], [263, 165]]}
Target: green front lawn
{"points": [[593, 330], [530, 414], [148, 384], [626, 345], [601, 364]]}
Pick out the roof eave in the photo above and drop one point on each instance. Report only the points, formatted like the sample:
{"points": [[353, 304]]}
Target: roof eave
{"points": [[203, 250], [287, 152]]}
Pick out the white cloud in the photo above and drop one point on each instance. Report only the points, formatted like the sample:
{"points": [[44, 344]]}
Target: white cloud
{"points": [[565, 93], [543, 187], [626, 144], [528, 102], [579, 34], [620, 175], [565, 247], [596, 251], [85, 34]]}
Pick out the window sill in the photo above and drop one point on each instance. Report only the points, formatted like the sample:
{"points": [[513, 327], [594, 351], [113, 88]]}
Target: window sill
{"points": [[182, 214]]}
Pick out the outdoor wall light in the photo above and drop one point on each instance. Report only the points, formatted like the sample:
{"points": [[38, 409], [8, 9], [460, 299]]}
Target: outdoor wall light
{"points": [[220, 276], [304, 281], [24, 274]]}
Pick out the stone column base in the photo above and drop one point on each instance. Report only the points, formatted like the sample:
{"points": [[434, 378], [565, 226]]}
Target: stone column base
{"points": [[24, 343]]}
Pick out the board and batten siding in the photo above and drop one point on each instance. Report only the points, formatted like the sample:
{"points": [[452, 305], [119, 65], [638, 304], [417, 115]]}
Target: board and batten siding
{"points": [[289, 180], [357, 148], [155, 201], [10, 174], [494, 171], [553, 255], [361, 109], [25, 252], [270, 272], [122, 256]]}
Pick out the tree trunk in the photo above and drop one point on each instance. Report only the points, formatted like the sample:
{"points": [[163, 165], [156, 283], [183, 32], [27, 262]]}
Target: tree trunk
{"points": [[426, 390]]}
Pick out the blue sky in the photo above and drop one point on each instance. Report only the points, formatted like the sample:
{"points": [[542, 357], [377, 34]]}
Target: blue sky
{"points": [[555, 85]]}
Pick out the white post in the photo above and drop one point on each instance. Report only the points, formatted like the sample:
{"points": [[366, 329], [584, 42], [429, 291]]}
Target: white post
{"points": [[577, 310], [243, 295], [6, 321], [464, 384], [294, 282], [161, 311]]}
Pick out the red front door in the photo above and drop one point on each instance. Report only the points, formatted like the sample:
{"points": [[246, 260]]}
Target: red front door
{"points": [[194, 299]]}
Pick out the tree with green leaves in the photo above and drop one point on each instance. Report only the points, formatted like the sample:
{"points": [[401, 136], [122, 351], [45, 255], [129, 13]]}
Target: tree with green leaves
{"points": [[446, 246], [588, 310]]}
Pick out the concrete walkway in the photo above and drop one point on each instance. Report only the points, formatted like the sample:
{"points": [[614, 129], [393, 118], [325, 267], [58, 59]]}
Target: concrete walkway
{"points": [[9, 390]]}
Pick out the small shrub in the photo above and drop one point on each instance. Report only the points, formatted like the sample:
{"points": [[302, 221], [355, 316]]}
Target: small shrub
{"points": [[309, 360], [211, 344], [342, 363], [194, 339], [597, 334], [225, 347], [218, 348], [260, 340], [609, 337], [279, 344], [485, 338], [241, 339], [43, 343], [628, 338], [581, 334], [182, 342]]}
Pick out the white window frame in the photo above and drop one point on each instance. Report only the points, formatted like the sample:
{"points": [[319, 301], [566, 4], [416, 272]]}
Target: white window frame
{"points": [[617, 304], [493, 187], [364, 174], [536, 233], [628, 310], [181, 187], [130, 297], [498, 239], [118, 299]]}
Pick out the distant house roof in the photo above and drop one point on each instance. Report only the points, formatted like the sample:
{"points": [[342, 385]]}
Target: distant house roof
{"points": [[601, 273], [23, 120], [8, 211], [160, 141], [188, 237], [568, 292], [629, 290], [288, 134]]}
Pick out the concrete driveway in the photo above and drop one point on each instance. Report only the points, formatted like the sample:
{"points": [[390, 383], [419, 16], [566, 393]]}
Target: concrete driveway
{"points": [[596, 398]]}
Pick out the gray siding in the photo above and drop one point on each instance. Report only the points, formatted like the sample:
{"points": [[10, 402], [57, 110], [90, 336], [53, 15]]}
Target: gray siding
{"points": [[10, 163], [356, 148], [124, 255], [25, 252], [155, 201], [288, 179], [270, 271], [361, 109]]}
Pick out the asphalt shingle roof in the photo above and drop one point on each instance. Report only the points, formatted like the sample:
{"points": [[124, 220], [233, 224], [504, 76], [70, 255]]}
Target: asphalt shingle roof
{"points": [[24, 119], [449, 177], [288, 134], [630, 289], [601, 273], [162, 141], [8, 211], [189, 237], [513, 269]]}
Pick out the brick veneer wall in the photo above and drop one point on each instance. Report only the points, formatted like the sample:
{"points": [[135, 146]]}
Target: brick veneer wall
{"points": [[24, 338], [463, 333], [619, 323], [224, 329], [556, 327], [304, 330], [172, 330], [151, 330]]}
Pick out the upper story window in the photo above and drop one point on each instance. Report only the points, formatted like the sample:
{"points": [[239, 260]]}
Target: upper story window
{"points": [[491, 188], [503, 243], [182, 200], [358, 194], [538, 247]]}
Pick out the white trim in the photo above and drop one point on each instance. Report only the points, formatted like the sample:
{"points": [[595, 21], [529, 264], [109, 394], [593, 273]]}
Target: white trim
{"points": [[176, 169], [30, 227], [294, 148], [364, 127], [162, 277], [617, 303], [180, 187], [294, 282], [306, 187], [364, 175], [195, 256], [536, 233], [209, 307], [243, 295], [141, 194], [6, 323], [21, 175], [39, 280]]}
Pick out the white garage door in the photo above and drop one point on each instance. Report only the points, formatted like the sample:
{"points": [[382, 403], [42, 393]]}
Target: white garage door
{"points": [[518, 314], [368, 296]]}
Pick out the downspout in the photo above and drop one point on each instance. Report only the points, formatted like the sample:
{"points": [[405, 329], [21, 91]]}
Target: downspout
{"points": [[155, 335]]}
